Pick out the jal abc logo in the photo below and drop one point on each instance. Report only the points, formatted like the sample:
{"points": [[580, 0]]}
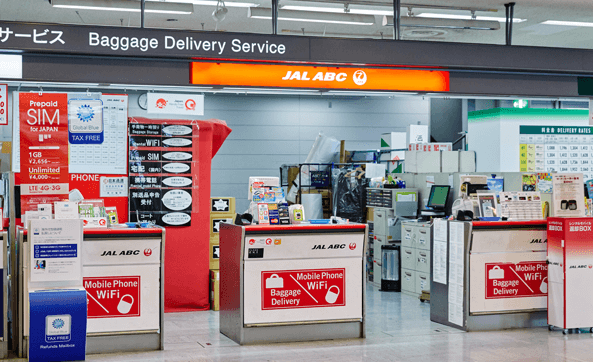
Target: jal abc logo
{"points": [[359, 77], [352, 246], [147, 252]]}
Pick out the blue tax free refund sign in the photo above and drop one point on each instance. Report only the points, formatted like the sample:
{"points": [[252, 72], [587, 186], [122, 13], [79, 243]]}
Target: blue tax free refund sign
{"points": [[85, 121], [58, 324]]}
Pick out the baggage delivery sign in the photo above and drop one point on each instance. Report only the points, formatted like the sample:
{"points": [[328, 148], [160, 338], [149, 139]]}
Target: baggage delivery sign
{"points": [[113, 297], [509, 280], [308, 288]]}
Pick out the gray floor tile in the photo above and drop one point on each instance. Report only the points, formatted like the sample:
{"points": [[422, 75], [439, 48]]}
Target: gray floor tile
{"points": [[398, 329]]}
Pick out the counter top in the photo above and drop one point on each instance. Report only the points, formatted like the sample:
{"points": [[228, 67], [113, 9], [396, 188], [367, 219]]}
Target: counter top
{"points": [[507, 224], [304, 227]]}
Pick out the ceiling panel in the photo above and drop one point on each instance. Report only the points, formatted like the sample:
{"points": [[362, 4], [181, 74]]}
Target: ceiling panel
{"points": [[529, 32]]}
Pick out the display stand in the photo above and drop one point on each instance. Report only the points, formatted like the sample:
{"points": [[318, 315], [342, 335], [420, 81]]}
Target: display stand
{"points": [[292, 283], [124, 261], [570, 257], [489, 275]]}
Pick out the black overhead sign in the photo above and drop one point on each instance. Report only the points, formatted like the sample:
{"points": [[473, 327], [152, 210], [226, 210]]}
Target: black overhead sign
{"points": [[123, 41]]}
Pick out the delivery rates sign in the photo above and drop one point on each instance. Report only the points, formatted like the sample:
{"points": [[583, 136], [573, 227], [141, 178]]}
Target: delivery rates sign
{"points": [[307, 288], [509, 280]]}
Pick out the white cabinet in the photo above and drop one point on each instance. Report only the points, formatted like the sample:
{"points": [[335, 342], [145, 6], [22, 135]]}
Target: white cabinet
{"points": [[415, 257]]}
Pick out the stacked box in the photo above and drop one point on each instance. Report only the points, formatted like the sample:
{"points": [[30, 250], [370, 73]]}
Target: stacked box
{"points": [[214, 289], [222, 205], [393, 140], [222, 210]]}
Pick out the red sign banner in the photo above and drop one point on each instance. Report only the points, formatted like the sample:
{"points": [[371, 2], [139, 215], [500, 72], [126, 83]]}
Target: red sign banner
{"points": [[509, 280], [318, 77], [307, 288], [113, 297], [43, 143]]}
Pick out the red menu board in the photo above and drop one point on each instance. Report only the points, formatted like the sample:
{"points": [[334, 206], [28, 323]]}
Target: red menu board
{"points": [[43, 146]]}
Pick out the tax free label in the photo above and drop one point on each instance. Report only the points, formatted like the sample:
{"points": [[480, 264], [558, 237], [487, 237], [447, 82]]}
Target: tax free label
{"points": [[85, 121]]}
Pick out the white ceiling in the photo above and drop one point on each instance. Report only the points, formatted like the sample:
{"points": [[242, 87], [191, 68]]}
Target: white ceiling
{"points": [[530, 32]]}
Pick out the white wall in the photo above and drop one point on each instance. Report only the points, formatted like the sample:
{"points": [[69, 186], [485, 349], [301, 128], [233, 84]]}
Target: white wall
{"points": [[271, 131]]}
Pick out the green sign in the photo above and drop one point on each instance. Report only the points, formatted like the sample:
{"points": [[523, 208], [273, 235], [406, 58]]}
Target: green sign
{"points": [[555, 130], [521, 103]]}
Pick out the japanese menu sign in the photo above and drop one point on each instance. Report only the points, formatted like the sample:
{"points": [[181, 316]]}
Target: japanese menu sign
{"points": [[43, 146], [162, 168]]}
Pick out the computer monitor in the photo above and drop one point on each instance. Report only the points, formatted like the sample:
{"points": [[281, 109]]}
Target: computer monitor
{"points": [[437, 199]]}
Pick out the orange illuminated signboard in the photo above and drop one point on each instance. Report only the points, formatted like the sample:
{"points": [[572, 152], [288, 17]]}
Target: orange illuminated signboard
{"points": [[298, 76]]}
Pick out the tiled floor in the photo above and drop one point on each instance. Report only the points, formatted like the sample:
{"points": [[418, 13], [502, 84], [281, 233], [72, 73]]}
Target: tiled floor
{"points": [[398, 329]]}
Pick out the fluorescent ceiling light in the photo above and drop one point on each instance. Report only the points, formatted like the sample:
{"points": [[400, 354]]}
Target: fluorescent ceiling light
{"points": [[337, 10], [128, 6], [228, 4], [568, 23], [312, 17], [416, 22], [11, 66], [467, 17]]}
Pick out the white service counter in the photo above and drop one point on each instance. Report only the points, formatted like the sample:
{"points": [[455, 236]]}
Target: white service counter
{"points": [[123, 276], [489, 275], [292, 283]]}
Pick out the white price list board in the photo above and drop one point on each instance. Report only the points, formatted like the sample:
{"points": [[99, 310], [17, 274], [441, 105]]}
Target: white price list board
{"points": [[556, 148]]}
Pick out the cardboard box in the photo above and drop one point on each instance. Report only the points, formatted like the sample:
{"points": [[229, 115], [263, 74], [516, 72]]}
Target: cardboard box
{"points": [[449, 161], [293, 174], [393, 140], [214, 289], [217, 219], [411, 165], [222, 205], [467, 161], [428, 162], [214, 253], [417, 133], [370, 214], [436, 147]]}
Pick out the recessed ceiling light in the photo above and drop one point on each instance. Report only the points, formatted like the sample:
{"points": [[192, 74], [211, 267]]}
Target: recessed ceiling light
{"points": [[337, 10], [467, 17], [127, 6], [312, 17], [568, 23], [228, 4]]}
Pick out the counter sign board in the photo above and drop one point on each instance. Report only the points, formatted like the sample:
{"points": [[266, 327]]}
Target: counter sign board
{"points": [[509, 280], [161, 173], [172, 103], [43, 143], [113, 297], [307, 288]]}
